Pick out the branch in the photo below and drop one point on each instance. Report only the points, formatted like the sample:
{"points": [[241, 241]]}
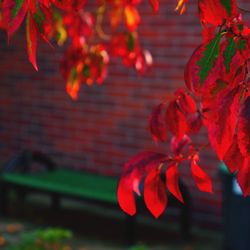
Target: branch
{"points": [[99, 18], [243, 10]]}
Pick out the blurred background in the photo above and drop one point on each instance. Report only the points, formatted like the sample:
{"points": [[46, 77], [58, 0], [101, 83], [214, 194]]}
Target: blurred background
{"points": [[100, 131]]}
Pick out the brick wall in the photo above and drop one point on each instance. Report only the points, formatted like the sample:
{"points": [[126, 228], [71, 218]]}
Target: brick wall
{"points": [[108, 123]]}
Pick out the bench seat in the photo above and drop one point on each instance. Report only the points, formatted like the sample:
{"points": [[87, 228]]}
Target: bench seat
{"points": [[68, 182]]}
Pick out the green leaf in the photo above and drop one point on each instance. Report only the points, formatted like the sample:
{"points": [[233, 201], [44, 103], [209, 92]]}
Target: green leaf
{"points": [[240, 27], [229, 52], [208, 58], [241, 44], [227, 5], [18, 5], [131, 42], [220, 85], [73, 75], [39, 19], [86, 70]]}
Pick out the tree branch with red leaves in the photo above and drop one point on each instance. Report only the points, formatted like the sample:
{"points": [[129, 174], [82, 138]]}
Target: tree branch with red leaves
{"points": [[217, 97]]}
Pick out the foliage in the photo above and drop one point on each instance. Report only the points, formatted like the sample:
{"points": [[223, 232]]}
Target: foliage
{"points": [[43, 239], [90, 49], [216, 77], [138, 247]]}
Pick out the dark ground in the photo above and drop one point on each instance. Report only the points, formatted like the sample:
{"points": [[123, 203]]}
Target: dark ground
{"points": [[97, 228]]}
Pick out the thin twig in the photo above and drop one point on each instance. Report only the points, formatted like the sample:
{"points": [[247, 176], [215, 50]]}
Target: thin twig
{"points": [[243, 10], [99, 19]]}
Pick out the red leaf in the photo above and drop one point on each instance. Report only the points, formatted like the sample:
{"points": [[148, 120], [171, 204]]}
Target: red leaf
{"points": [[178, 144], [45, 24], [132, 17], [215, 13], [154, 193], [125, 196], [187, 103], [195, 122], [211, 12], [69, 5], [155, 5], [244, 128], [176, 120], [172, 181], [201, 178], [11, 22], [222, 124], [142, 160], [181, 6], [139, 165], [32, 5], [46, 3], [233, 157], [192, 71], [157, 124], [72, 88], [243, 177], [237, 72], [208, 33], [31, 39], [216, 75], [192, 79]]}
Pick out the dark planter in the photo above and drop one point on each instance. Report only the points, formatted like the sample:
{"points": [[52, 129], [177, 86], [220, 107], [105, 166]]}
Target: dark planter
{"points": [[236, 214]]}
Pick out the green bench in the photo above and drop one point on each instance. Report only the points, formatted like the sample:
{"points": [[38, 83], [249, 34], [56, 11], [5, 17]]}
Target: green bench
{"points": [[68, 183], [20, 176]]}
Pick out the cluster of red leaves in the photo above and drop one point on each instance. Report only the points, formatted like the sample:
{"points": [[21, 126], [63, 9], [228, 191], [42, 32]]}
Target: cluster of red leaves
{"points": [[217, 78], [218, 73], [180, 116], [84, 65], [87, 57], [126, 46]]}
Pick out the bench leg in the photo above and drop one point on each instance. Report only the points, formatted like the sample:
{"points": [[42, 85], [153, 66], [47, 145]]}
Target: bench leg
{"points": [[3, 200], [55, 202], [185, 222], [186, 213], [129, 236], [21, 195], [185, 216]]}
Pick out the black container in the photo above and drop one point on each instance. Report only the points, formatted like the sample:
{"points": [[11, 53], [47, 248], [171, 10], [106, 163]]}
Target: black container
{"points": [[236, 215]]}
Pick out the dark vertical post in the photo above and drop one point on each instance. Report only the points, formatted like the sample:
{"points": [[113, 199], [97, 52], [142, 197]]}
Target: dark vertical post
{"points": [[185, 216], [185, 221], [3, 200], [55, 202], [129, 236]]}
